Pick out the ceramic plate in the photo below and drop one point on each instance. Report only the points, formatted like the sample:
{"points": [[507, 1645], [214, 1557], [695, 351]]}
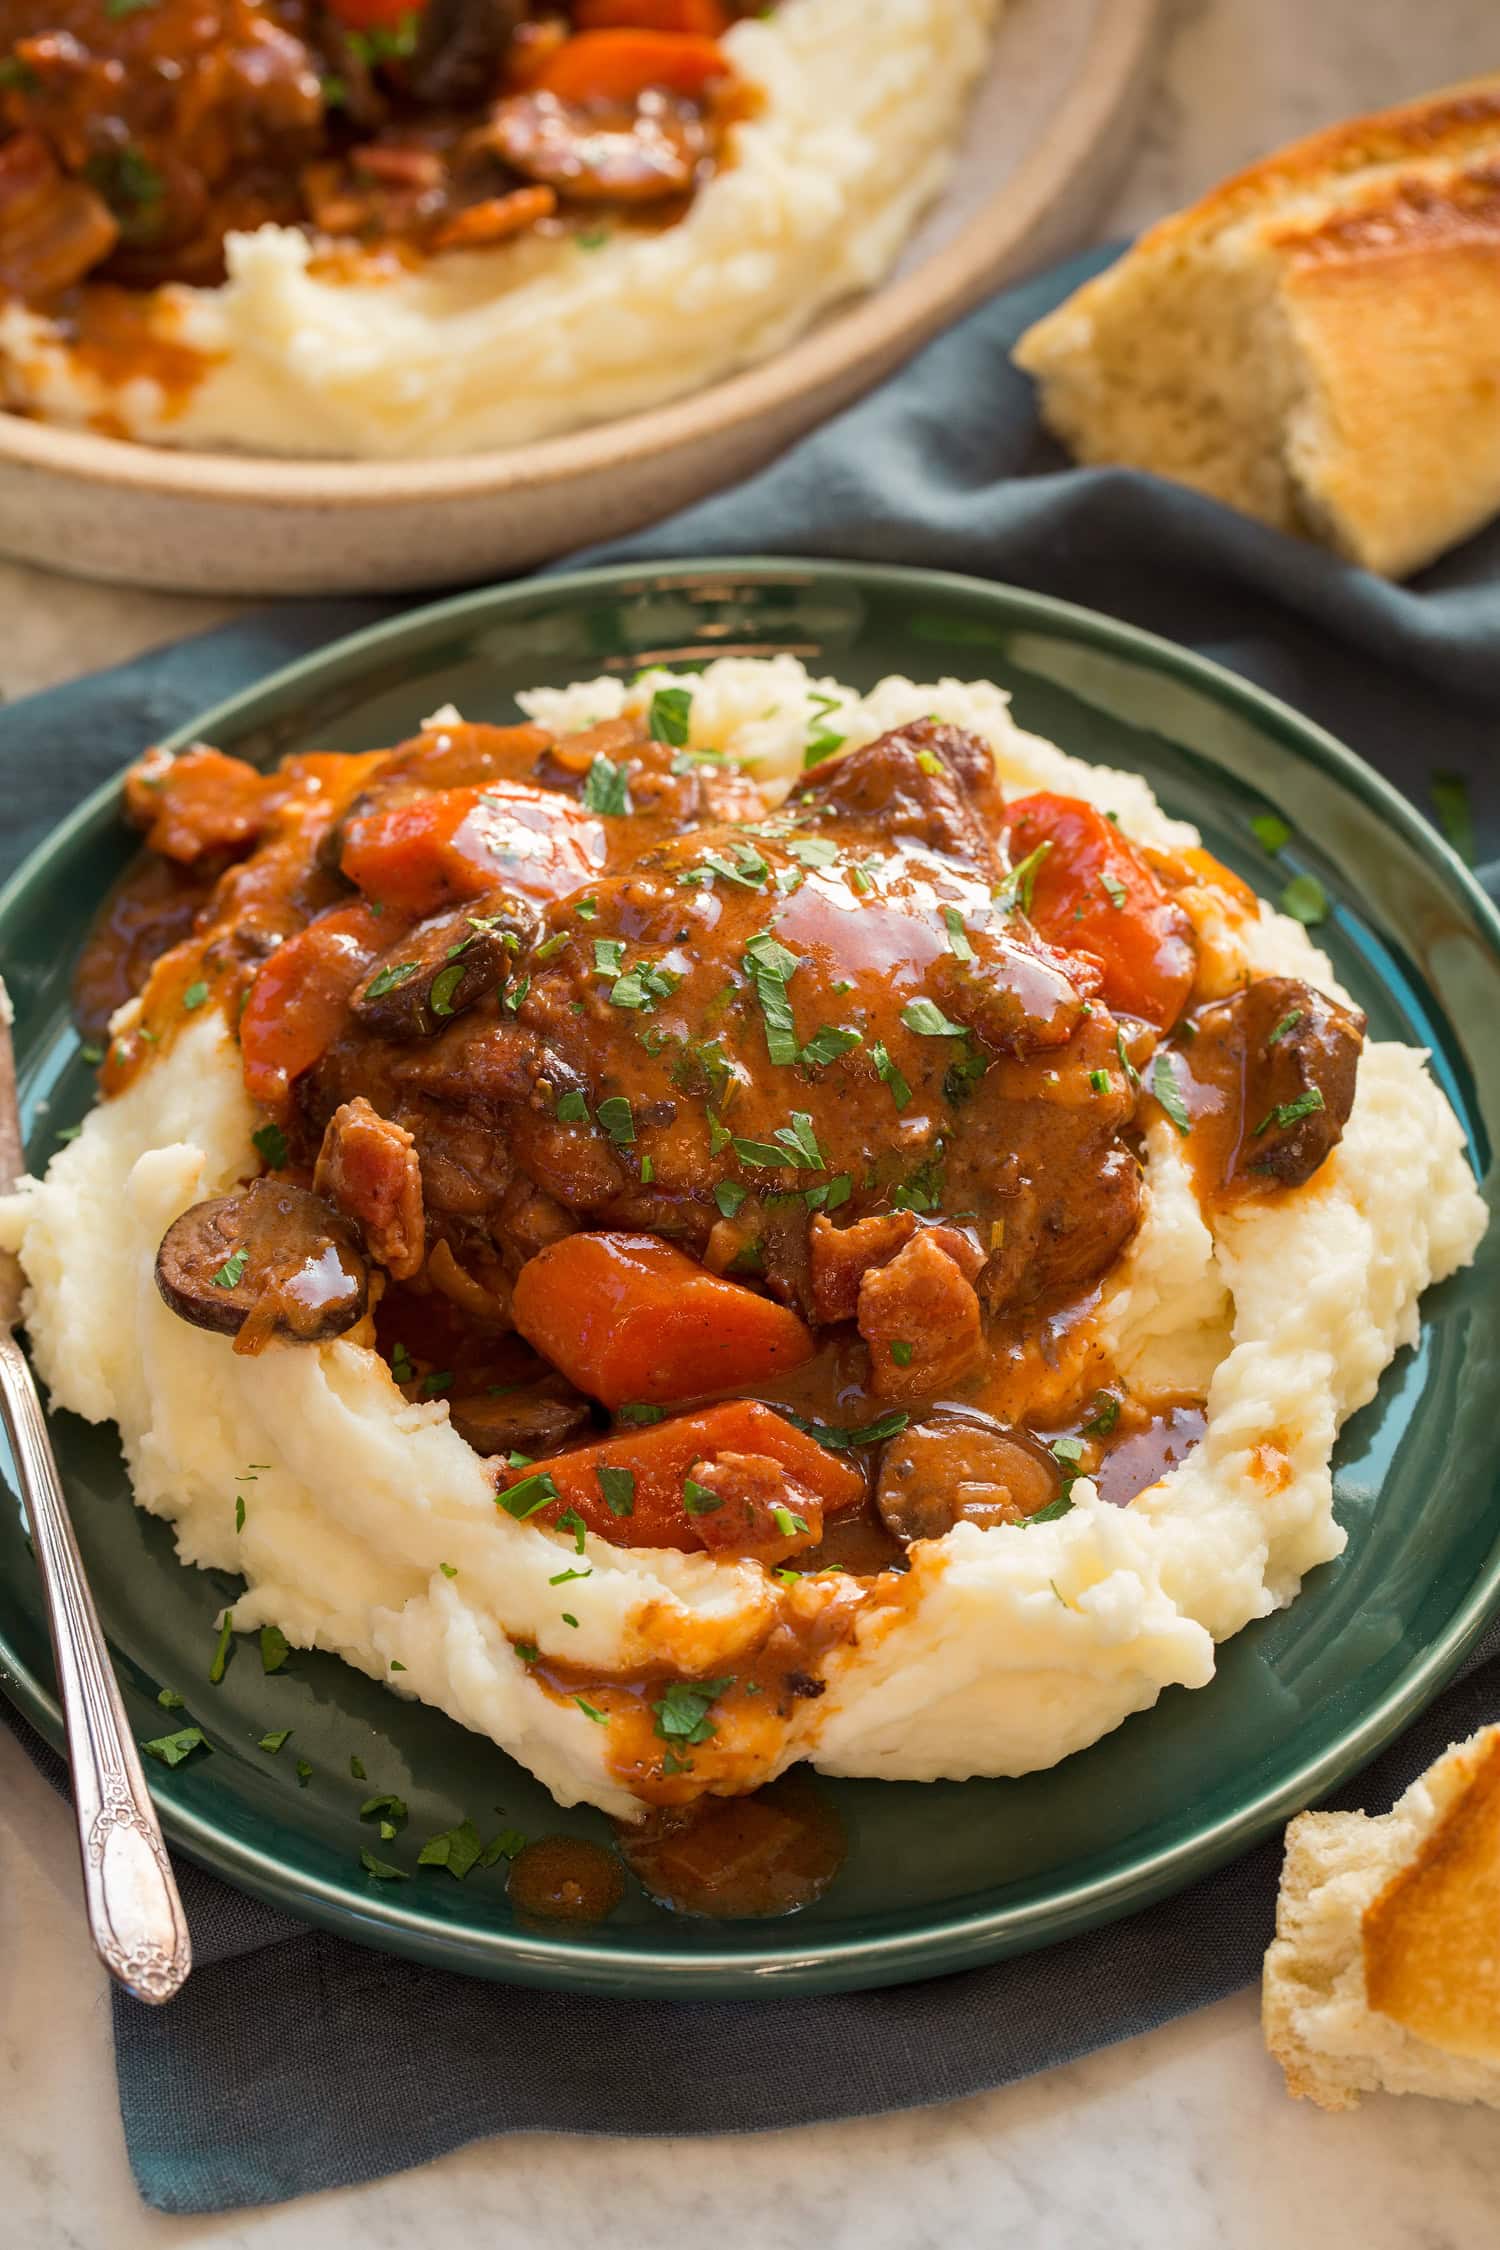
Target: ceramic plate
{"points": [[1051, 127], [943, 1876]]}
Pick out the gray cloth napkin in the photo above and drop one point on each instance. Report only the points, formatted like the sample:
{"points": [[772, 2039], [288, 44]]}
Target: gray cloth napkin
{"points": [[226, 2094]]}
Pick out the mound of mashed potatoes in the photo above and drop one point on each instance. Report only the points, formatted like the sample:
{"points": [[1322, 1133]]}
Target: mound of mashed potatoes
{"points": [[374, 1532], [855, 114]]}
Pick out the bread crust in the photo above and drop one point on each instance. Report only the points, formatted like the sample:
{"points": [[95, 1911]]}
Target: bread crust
{"points": [[1431, 1940], [1363, 264]]}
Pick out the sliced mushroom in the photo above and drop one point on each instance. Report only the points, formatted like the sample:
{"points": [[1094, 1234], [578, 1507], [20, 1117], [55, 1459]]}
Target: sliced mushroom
{"points": [[1281, 1060], [443, 966], [962, 1468], [272, 1260], [642, 155], [535, 1419]]}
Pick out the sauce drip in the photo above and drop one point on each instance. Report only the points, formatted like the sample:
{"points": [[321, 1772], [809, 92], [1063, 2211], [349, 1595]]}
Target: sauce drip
{"points": [[738, 1858], [1142, 1456], [565, 1879]]}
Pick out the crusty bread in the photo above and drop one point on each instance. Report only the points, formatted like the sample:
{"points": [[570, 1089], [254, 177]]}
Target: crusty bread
{"points": [[1385, 1969], [1317, 342]]}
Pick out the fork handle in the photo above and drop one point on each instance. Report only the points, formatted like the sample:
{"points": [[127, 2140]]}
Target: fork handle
{"points": [[134, 1913]]}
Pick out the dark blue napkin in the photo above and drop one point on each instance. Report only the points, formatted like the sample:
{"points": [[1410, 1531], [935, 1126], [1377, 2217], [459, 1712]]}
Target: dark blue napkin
{"points": [[226, 2095]]}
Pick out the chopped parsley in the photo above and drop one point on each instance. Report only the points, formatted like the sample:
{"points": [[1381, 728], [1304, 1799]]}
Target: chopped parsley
{"points": [[401, 1366], [901, 1352], [926, 1018], [606, 787], [787, 1522], [609, 956], [839, 1440], [958, 936], [591, 1710], [821, 744], [269, 1142], [400, 972], [391, 1812], [458, 1849], [770, 967], [1287, 1024], [1450, 797], [527, 1495], [828, 1043], [275, 1741], [566, 1577], [813, 851], [1132, 1075], [699, 1500], [1167, 1091], [304, 1773], [761, 1156], [729, 1195], [682, 1709], [1015, 894], [221, 1653], [1105, 1415], [571, 1109], [1270, 832], [171, 1749], [448, 1569], [748, 869], [506, 1845], [382, 1869], [571, 1520], [671, 714], [356, 1769], [640, 1415], [239, 1511], [196, 994], [1061, 1506], [169, 1699], [440, 1380], [1291, 1113], [618, 1488], [1114, 890], [1099, 1081], [890, 1074], [443, 987], [274, 1648], [618, 1120], [1305, 900], [232, 1272]]}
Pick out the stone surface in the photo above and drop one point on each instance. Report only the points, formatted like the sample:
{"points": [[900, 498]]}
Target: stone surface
{"points": [[1174, 2142]]}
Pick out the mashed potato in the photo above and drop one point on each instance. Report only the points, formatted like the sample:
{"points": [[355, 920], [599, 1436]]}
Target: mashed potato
{"points": [[1002, 1650], [862, 105]]}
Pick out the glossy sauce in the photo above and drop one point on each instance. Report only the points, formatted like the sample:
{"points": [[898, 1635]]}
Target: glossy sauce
{"points": [[152, 907], [739, 1858], [1140, 1457]]}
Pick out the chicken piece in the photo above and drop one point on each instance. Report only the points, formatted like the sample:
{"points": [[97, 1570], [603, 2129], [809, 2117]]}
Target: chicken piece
{"points": [[920, 1317], [367, 1167]]}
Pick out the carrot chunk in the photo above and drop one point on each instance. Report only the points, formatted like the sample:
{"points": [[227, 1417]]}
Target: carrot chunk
{"points": [[698, 1481], [299, 999], [626, 1316], [450, 844], [619, 65], [1093, 893]]}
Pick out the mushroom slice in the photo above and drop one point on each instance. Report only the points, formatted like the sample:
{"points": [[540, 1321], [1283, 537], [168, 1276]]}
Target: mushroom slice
{"points": [[955, 1468], [271, 1260]]}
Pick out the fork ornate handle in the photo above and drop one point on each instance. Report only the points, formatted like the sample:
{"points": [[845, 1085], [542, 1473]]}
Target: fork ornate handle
{"points": [[135, 1915]]}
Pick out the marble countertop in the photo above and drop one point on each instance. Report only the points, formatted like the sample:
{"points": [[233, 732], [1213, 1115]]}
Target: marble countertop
{"points": [[1177, 2141]]}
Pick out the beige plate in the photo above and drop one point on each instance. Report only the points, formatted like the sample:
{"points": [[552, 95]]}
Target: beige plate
{"points": [[1050, 129]]}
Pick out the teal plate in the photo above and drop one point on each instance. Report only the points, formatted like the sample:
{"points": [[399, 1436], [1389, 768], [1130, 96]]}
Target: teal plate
{"points": [[938, 1877]]}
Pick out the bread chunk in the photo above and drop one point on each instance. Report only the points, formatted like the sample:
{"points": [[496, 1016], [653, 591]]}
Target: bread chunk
{"points": [[1385, 1968], [1317, 342]]}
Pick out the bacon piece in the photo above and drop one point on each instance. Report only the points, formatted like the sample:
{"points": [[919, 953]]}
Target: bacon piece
{"points": [[368, 1167], [842, 1256], [923, 1303]]}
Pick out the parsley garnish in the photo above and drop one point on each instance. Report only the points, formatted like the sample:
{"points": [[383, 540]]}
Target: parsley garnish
{"points": [[1291, 1113], [1132, 1075], [1114, 890], [1106, 1414], [443, 987], [1270, 832], [457, 1849], [196, 994], [571, 1109], [1099, 1081], [382, 1869], [390, 1811], [591, 1710], [1167, 1091], [304, 1773], [232, 1272], [566, 1577], [958, 936], [171, 1749], [239, 1511], [828, 1043], [221, 1653], [523, 1498], [901, 1352], [671, 715], [448, 1569], [1305, 900], [1019, 887], [682, 1709], [274, 1648], [699, 1499], [169, 1699], [618, 1120], [275, 1741], [1061, 1506], [890, 1073], [640, 1414], [840, 1440], [400, 972], [729, 1195], [269, 1142], [926, 1018], [769, 966], [1287, 1024], [618, 1488], [356, 1768], [606, 787], [787, 1522]]}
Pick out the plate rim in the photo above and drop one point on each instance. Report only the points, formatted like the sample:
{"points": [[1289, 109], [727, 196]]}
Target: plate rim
{"points": [[905, 309], [948, 1942]]}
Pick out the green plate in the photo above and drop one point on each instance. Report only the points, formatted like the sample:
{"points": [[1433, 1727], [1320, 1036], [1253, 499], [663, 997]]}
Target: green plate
{"points": [[938, 1877]]}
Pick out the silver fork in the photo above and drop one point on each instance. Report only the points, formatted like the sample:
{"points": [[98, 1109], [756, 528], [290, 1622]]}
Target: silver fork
{"points": [[134, 1913]]}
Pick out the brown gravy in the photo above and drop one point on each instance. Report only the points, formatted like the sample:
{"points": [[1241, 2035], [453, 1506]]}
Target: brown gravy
{"points": [[739, 1858], [150, 909], [565, 1879], [1143, 1456]]}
